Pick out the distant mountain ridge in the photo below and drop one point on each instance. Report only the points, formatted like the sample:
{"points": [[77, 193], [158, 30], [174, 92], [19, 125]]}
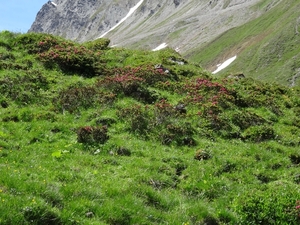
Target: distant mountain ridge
{"points": [[189, 26]]}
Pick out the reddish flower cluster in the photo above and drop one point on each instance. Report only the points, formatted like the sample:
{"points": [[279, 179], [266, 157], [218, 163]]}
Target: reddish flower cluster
{"points": [[124, 82], [204, 91], [164, 109], [128, 79], [70, 54], [163, 106], [46, 44], [88, 129]]}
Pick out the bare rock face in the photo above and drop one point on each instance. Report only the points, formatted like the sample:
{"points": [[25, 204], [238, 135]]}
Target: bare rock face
{"points": [[182, 24], [80, 20]]}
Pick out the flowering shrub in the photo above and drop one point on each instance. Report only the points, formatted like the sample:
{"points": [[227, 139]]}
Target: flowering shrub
{"points": [[31, 42], [147, 74], [133, 82], [170, 86], [126, 83], [203, 90], [210, 98], [70, 57], [164, 111], [46, 44], [84, 135]]}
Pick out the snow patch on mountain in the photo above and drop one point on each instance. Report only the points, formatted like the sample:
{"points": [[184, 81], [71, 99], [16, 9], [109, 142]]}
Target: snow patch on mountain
{"points": [[161, 46], [131, 11], [224, 64]]}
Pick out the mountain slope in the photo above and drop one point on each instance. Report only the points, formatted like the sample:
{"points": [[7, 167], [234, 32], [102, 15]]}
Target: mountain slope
{"points": [[181, 23], [267, 47], [79, 20], [263, 34]]}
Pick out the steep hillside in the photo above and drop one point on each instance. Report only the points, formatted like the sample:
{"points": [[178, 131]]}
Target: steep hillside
{"points": [[97, 135], [267, 48]]}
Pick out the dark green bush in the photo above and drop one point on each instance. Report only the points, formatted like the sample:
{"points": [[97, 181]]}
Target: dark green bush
{"points": [[122, 151], [178, 133], [92, 135], [36, 42], [259, 133], [295, 159], [98, 44], [246, 119], [138, 117], [75, 97], [23, 89]]}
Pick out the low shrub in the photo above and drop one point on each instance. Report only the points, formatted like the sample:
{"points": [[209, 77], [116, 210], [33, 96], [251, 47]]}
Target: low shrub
{"points": [[75, 97], [274, 204], [92, 135], [68, 56], [204, 91], [132, 81], [24, 89], [246, 119], [126, 83], [98, 44], [138, 117], [31, 42], [259, 133], [164, 111], [179, 133]]}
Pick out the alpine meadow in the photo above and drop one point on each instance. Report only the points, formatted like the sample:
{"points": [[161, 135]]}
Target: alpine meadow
{"points": [[97, 135]]}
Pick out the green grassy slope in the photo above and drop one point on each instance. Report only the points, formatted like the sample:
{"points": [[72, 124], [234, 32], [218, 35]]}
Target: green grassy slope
{"points": [[98, 135], [267, 47]]}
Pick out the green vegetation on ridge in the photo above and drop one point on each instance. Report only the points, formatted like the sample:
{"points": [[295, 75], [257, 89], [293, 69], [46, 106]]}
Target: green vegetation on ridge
{"points": [[97, 135]]}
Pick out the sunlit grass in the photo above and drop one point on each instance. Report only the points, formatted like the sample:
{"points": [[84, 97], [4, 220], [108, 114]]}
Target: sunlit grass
{"points": [[156, 165]]}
